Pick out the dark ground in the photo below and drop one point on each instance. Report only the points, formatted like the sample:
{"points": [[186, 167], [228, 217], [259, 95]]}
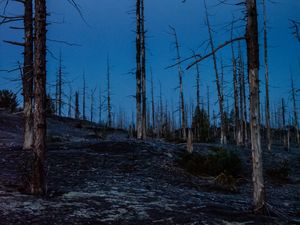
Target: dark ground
{"points": [[105, 178]]}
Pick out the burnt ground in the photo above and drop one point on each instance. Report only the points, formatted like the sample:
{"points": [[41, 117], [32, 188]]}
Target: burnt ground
{"points": [[102, 177]]}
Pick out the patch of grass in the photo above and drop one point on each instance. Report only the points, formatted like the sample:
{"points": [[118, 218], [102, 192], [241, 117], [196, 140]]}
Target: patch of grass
{"points": [[222, 161], [279, 171]]}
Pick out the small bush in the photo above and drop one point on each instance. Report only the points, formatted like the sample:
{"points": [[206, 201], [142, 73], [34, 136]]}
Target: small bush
{"points": [[213, 164], [280, 171], [8, 100], [227, 182]]}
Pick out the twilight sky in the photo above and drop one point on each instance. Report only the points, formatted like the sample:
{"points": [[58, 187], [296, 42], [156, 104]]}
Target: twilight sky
{"points": [[110, 31]]}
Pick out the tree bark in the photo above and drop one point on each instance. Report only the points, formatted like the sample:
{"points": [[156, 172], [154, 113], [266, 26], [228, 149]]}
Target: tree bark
{"points": [[27, 78], [269, 141], [109, 117], [138, 71], [77, 113], [38, 173], [143, 61], [253, 70], [181, 96], [153, 106], [83, 98], [295, 111], [220, 95]]}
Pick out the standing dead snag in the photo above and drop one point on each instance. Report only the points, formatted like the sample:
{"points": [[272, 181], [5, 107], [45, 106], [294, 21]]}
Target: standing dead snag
{"points": [[109, 117], [27, 78], [77, 113], [189, 144], [38, 173], [180, 74], [138, 70], [83, 98], [153, 106], [269, 141], [220, 95], [143, 61], [253, 70], [295, 111]]}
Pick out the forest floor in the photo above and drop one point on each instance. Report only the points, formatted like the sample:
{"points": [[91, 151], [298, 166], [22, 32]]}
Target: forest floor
{"points": [[103, 177]]}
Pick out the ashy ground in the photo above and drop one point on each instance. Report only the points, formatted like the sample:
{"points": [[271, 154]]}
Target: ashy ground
{"points": [[98, 176]]}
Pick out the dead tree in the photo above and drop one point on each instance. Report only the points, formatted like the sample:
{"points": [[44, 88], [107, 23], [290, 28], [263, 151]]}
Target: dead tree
{"points": [[138, 71], [180, 75], [284, 129], [38, 186], [253, 75], [251, 38], [92, 104], [237, 133], [197, 82], [100, 105], [109, 116], [59, 87], [153, 105], [83, 98], [27, 78], [269, 141], [295, 110], [219, 91], [77, 113], [143, 70], [208, 112], [70, 103]]}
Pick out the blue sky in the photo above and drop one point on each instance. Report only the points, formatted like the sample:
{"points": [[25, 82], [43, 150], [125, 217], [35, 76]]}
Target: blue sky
{"points": [[110, 30]]}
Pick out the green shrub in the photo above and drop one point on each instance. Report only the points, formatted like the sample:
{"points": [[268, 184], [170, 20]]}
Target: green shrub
{"points": [[8, 100], [213, 164]]}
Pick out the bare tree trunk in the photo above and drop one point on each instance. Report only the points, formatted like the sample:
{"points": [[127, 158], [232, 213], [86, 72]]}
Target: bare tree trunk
{"points": [[237, 133], [109, 117], [197, 82], [38, 174], [189, 144], [77, 113], [28, 76], [284, 129], [220, 96], [253, 70], [70, 104], [83, 98], [269, 141], [181, 97], [153, 105], [100, 106], [138, 71], [92, 104], [295, 111], [143, 60], [161, 113], [208, 113], [60, 86]]}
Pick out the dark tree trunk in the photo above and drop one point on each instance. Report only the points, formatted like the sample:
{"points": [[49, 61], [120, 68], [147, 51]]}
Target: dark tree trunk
{"points": [[77, 113], [253, 71], [27, 78], [269, 141], [109, 117], [138, 71], [38, 173], [220, 95], [143, 60]]}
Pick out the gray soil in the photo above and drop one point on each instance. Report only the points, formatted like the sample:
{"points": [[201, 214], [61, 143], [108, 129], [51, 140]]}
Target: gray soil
{"points": [[97, 176]]}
